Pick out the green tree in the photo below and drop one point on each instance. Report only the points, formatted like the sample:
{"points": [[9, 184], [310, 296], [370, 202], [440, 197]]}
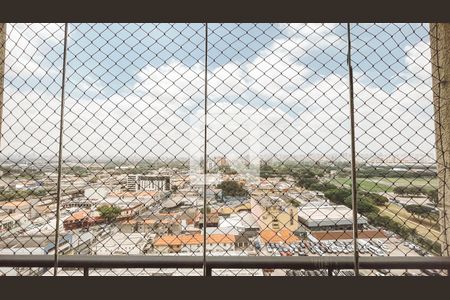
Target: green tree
{"points": [[433, 196], [232, 188], [419, 210], [322, 186], [399, 190], [306, 178], [266, 171], [376, 199], [338, 195], [365, 205], [208, 210], [404, 190], [109, 212]]}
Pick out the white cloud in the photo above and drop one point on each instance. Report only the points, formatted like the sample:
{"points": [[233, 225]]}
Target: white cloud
{"points": [[274, 90]]}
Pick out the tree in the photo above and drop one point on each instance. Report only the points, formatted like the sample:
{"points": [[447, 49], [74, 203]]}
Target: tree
{"points": [[404, 190], [322, 186], [79, 171], [40, 192], [376, 199], [433, 196], [338, 195], [365, 206], [232, 188], [419, 210], [399, 190], [306, 178], [227, 170], [93, 179], [109, 212], [266, 171], [208, 210]]}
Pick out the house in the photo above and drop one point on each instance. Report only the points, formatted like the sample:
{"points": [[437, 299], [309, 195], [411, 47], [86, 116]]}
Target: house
{"points": [[228, 210], [159, 223], [272, 213], [212, 220], [81, 219], [284, 235], [16, 206], [194, 243]]}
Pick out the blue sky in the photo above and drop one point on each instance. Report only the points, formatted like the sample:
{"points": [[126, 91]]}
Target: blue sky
{"points": [[290, 78]]}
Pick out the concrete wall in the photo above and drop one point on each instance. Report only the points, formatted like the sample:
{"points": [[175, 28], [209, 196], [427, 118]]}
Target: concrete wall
{"points": [[440, 58]]}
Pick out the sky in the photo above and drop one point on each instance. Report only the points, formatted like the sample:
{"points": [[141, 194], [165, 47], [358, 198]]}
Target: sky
{"points": [[138, 90]]}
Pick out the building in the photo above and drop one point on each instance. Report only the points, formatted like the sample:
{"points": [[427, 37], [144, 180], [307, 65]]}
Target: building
{"points": [[323, 216], [121, 244], [194, 243], [348, 235], [8, 222], [124, 198], [212, 220], [284, 236], [139, 182], [272, 213], [81, 219], [243, 221], [228, 210], [16, 206], [97, 193], [80, 202], [159, 223]]}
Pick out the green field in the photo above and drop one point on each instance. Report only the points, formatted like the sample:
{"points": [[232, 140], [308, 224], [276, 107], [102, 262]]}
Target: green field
{"points": [[427, 183], [377, 185]]}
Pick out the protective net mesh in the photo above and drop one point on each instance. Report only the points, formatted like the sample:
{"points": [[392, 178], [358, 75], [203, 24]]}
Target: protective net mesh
{"points": [[262, 108]]}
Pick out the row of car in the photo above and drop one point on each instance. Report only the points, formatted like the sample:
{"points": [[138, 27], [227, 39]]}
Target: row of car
{"points": [[319, 273], [375, 247], [285, 249], [416, 248]]}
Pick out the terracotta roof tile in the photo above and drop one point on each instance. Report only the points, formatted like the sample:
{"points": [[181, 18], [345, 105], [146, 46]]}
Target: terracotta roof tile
{"points": [[194, 239]]}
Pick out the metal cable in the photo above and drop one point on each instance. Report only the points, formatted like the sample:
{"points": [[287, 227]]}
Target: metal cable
{"points": [[353, 153], [61, 132], [205, 156], [2, 72]]}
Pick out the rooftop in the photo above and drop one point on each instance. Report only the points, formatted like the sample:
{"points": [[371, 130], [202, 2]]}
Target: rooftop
{"points": [[327, 215], [194, 239], [282, 236]]}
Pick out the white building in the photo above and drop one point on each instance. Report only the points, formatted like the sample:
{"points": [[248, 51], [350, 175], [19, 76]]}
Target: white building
{"points": [[139, 182], [323, 216], [97, 193], [121, 244]]}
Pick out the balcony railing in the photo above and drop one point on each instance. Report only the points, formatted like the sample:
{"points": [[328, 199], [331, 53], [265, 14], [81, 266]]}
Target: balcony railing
{"points": [[329, 264]]}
